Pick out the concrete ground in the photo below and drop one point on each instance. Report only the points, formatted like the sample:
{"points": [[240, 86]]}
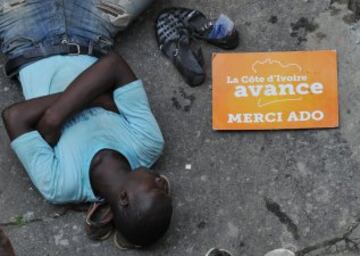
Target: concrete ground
{"points": [[249, 192]]}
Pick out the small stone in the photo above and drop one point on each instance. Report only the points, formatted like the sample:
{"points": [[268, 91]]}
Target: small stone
{"points": [[274, 170], [187, 102], [6, 89], [188, 167], [64, 242]]}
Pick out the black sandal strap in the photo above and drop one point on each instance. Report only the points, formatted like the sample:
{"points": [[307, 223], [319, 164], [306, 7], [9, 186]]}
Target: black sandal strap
{"points": [[169, 29]]}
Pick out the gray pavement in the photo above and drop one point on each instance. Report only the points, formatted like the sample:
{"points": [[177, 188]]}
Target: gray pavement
{"points": [[225, 198]]}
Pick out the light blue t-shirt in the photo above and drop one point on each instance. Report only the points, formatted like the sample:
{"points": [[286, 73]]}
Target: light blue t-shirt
{"points": [[61, 173]]}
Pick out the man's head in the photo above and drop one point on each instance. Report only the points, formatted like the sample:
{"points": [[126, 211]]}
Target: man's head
{"points": [[143, 208]]}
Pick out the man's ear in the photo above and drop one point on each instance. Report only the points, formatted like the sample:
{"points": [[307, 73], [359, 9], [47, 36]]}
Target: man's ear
{"points": [[124, 199]]}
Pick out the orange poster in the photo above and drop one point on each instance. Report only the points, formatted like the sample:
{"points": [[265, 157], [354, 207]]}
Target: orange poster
{"points": [[277, 90]]}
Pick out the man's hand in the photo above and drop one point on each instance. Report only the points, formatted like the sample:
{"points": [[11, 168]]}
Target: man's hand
{"points": [[23, 117]]}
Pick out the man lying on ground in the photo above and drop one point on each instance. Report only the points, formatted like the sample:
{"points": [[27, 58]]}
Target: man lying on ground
{"points": [[85, 132]]}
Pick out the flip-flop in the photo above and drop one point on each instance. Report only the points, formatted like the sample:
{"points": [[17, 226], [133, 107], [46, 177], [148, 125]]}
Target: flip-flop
{"points": [[218, 252], [98, 222], [122, 244], [280, 252], [167, 184], [175, 42], [200, 27]]}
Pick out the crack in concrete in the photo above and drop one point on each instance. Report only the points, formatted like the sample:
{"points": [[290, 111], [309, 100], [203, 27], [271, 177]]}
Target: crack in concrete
{"points": [[20, 222], [350, 243]]}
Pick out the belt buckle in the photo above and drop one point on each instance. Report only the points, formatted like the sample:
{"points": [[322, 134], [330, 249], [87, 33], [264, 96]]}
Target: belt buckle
{"points": [[78, 50]]}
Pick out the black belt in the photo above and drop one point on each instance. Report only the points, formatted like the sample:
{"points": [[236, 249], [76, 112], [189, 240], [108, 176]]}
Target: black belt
{"points": [[71, 49]]}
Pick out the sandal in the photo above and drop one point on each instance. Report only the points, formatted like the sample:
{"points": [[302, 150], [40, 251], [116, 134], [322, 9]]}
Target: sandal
{"points": [[122, 244], [98, 223], [203, 28], [218, 252], [168, 186], [175, 42], [280, 252]]}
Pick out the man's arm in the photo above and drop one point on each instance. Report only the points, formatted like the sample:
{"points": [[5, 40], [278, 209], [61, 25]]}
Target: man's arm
{"points": [[24, 117], [104, 76]]}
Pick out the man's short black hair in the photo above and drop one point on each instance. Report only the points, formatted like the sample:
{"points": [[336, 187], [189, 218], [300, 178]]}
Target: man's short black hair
{"points": [[145, 220]]}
